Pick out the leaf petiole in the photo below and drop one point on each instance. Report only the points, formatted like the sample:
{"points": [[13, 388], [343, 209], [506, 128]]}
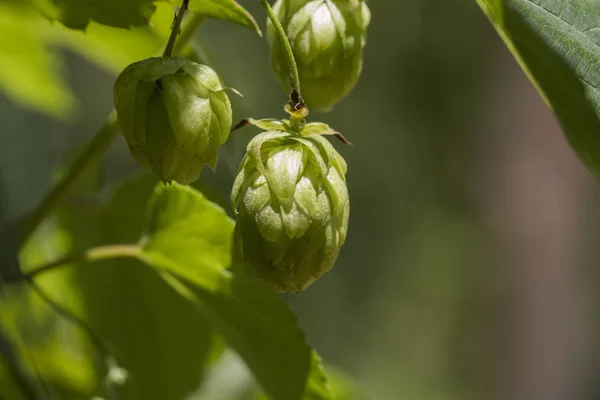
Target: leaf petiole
{"points": [[99, 253]]}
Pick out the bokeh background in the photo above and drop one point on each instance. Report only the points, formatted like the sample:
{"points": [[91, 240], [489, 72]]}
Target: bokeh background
{"points": [[471, 266]]}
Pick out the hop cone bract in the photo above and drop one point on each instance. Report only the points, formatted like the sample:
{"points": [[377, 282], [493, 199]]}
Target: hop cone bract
{"points": [[174, 114], [292, 208], [327, 38]]}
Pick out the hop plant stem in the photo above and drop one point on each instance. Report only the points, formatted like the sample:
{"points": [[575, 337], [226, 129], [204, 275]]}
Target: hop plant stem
{"points": [[98, 144], [175, 29], [296, 98]]}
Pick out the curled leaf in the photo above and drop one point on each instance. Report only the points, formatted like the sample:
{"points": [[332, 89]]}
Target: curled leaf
{"points": [[225, 10]]}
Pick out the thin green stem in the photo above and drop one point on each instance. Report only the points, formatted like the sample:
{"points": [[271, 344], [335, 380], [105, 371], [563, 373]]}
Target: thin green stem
{"points": [[99, 253], [175, 29], [98, 144], [296, 101]]}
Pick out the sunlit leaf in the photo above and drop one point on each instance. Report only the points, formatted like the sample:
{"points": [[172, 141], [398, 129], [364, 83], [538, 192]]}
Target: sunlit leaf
{"points": [[50, 348], [157, 336], [189, 238], [57, 355], [29, 71]]}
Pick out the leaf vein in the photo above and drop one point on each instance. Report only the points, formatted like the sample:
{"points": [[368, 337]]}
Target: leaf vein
{"points": [[580, 37]]}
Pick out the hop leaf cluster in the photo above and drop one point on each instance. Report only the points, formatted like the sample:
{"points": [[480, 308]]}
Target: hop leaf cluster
{"points": [[174, 114], [327, 38], [292, 207]]}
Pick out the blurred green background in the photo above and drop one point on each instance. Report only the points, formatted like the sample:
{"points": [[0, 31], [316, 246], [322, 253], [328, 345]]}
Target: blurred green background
{"points": [[470, 268]]}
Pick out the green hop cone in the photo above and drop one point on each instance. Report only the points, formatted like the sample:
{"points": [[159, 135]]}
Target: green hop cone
{"points": [[327, 38], [292, 208], [174, 114]]}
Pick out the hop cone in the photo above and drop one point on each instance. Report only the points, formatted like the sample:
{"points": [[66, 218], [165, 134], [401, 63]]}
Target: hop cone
{"points": [[292, 208], [327, 38], [174, 115]]}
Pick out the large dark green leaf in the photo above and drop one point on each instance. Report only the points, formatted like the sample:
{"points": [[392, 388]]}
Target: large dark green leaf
{"points": [[189, 238], [557, 44]]}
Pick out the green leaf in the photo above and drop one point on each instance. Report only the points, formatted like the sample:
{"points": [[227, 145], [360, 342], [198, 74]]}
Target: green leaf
{"points": [[189, 239], [78, 14], [15, 385], [30, 68], [557, 44], [157, 336], [226, 10], [29, 71], [125, 212], [110, 48], [48, 345], [114, 48], [340, 386], [43, 342]]}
